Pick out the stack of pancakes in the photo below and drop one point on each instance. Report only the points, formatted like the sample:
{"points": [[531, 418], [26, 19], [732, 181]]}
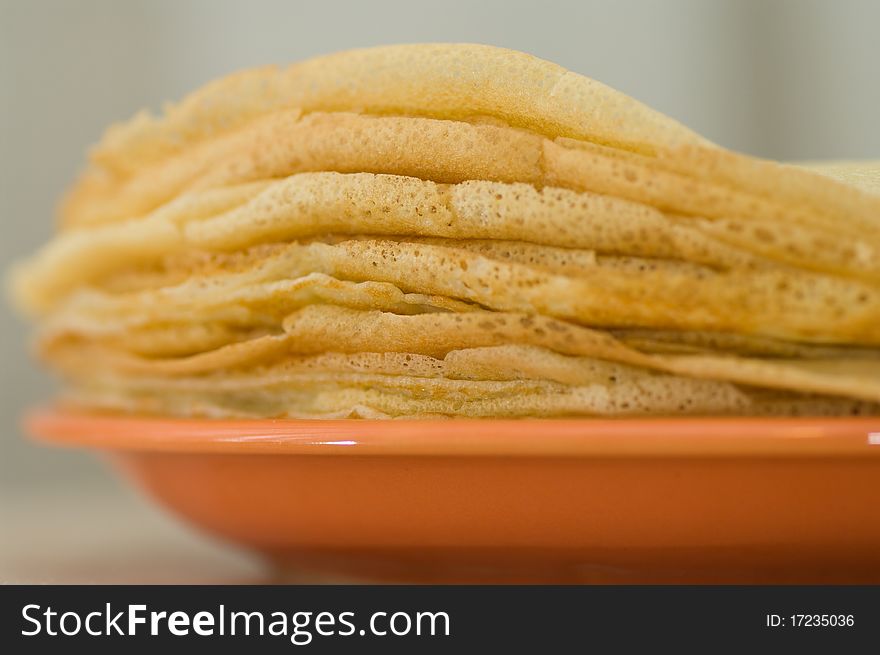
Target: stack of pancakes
{"points": [[452, 230]]}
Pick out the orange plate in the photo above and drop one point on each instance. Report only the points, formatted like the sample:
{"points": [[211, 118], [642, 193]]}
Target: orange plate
{"points": [[684, 500]]}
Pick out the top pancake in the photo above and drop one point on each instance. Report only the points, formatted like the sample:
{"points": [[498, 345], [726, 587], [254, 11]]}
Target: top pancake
{"points": [[450, 81], [453, 85]]}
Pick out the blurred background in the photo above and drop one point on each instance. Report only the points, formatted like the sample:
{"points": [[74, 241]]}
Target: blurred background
{"points": [[787, 79]]}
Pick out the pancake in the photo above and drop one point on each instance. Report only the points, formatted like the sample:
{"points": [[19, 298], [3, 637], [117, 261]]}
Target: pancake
{"points": [[773, 303], [317, 329], [452, 230]]}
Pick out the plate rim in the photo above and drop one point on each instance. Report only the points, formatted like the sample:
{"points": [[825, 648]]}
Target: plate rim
{"points": [[581, 437]]}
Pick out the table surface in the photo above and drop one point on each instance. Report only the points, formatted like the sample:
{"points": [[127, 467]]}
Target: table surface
{"points": [[111, 536]]}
